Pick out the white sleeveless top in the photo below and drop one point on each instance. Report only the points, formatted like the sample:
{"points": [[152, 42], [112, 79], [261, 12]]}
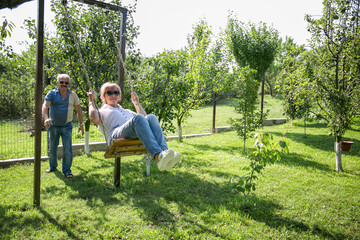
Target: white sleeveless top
{"points": [[113, 117]]}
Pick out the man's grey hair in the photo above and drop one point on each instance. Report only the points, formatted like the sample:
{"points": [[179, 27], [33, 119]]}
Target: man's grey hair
{"points": [[61, 76]]}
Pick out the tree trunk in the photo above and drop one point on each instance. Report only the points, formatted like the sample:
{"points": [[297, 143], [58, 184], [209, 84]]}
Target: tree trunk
{"points": [[214, 113], [338, 154], [244, 149], [47, 79], [262, 96], [87, 139], [87, 148], [180, 132]]}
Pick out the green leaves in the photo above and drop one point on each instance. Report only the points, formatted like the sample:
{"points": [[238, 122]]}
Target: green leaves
{"points": [[335, 63], [254, 49], [266, 152], [245, 87], [161, 84], [93, 31], [252, 45], [5, 31], [175, 82]]}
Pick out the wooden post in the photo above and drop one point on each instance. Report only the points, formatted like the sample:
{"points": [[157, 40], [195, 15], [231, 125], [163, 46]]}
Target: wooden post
{"points": [[38, 101], [117, 172]]}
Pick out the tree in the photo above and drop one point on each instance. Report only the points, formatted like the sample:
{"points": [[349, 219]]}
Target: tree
{"points": [[245, 88], [335, 60], [267, 151], [254, 46], [218, 73], [17, 78], [295, 83], [175, 82], [17, 83], [158, 83], [196, 78], [93, 31], [274, 72]]}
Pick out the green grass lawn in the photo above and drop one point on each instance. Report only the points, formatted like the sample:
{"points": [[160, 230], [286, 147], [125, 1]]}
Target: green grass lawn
{"points": [[300, 197]]}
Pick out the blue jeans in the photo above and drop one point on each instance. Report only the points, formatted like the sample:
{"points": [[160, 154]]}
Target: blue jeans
{"points": [[54, 136], [147, 129]]}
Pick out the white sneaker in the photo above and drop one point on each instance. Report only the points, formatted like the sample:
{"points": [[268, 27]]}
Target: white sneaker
{"points": [[173, 161], [164, 158]]}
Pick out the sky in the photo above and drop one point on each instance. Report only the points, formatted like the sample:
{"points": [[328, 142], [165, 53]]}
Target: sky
{"points": [[165, 24]]}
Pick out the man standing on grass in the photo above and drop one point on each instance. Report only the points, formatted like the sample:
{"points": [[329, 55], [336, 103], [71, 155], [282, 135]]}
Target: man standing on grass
{"points": [[57, 111]]}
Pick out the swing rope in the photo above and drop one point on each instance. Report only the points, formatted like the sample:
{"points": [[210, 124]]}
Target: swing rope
{"points": [[76, 44], [104, 129], [115, 148], [118, 47]]}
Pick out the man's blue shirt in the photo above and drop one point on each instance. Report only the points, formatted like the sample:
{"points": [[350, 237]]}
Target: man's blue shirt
{"points": [[61, 110]]}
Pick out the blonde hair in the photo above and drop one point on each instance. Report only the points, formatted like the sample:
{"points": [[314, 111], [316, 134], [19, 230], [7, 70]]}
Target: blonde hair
{"points": [[105, 87]]}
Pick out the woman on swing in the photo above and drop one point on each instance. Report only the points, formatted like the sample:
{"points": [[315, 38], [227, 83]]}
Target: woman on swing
{"points": [[124, 123]]}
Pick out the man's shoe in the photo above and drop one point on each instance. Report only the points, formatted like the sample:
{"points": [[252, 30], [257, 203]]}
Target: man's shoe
{"points": [[49, 170], [69, 175], [164, 158]]}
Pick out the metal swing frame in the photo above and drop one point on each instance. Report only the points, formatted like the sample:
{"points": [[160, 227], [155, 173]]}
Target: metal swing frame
{"points": [[118, 148]]}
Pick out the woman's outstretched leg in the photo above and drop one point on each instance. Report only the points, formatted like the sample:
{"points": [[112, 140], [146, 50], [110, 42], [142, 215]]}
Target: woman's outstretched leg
{"points": [[138, 127], [157, 131]]}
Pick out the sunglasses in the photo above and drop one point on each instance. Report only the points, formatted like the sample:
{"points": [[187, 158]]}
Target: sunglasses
{"points": [[116, 93], [62, 82]]}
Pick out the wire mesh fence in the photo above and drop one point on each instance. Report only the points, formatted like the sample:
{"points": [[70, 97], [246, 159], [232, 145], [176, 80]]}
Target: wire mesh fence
{"points": [[17, 138]]}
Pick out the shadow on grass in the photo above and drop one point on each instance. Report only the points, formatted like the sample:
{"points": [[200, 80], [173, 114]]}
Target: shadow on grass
{"points": [[291, 159], [11, 218], [151, 196], [264, 211], [192, 195], [320, 125], [89, 185], [299, 160], [205, 148], [199, 202], [57, 224], [311, 124], [197, 197], [185, 189], [321, 142]]}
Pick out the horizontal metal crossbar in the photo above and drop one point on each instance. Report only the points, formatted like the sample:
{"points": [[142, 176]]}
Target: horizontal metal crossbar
{"points": [[104, 5]]}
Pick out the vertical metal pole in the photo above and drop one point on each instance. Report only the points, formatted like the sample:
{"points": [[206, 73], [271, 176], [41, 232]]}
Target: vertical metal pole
{"points": [[121, 70], [38, 101], [121, 76]]}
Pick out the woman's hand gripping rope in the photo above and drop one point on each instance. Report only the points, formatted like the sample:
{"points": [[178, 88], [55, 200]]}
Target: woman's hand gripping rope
{"points": [[92, 96], [94, 114]]}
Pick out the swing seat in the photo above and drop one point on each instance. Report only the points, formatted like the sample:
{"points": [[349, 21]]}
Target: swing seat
{"points": [[126, 147]]}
